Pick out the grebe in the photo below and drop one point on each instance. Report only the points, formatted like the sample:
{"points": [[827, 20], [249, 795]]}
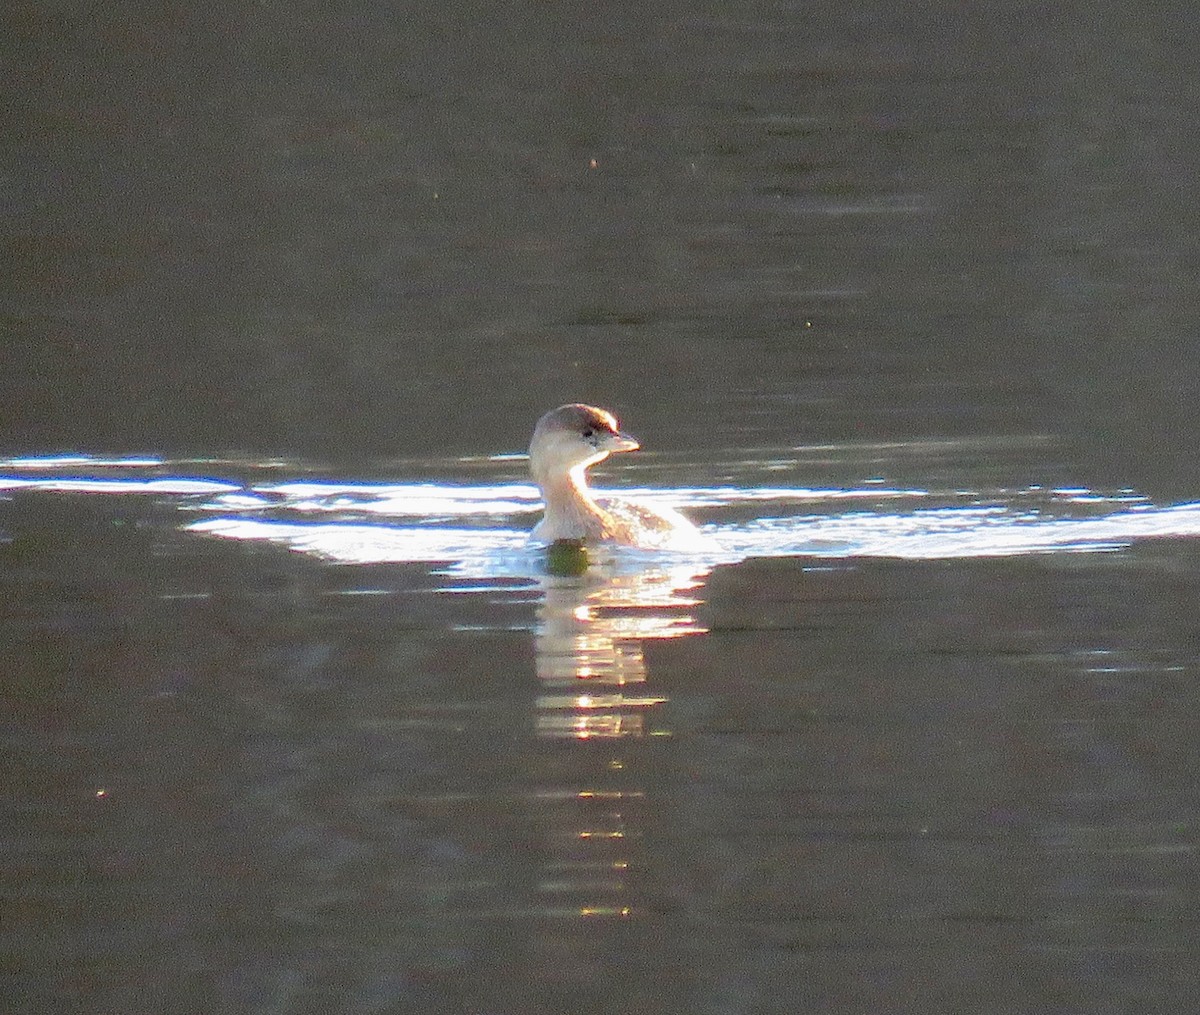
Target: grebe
{"points": [[565, 442]]}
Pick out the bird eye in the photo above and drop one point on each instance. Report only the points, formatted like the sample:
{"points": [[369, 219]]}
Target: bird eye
{"points": [[588, 433]]}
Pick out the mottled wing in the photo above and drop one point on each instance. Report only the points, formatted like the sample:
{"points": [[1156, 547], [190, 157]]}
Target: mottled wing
{"points": [[639, 524]]}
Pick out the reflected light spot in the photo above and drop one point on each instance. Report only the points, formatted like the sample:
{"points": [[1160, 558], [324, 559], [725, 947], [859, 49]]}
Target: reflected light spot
{"points": [[594, 911], [101, 793], [58, 461]]}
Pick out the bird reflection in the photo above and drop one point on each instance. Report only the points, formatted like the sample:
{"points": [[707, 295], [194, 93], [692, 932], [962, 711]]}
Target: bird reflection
{"points": [[589, 636], [591, 625]]}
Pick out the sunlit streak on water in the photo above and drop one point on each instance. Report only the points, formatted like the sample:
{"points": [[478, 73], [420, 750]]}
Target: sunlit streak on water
{"points": [[371, 544], [64, 461], [401, 499], [929, 533], [178, 485], [480, 529]]}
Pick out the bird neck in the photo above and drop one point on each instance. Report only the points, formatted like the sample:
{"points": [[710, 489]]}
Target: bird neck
{"points": [[571, 511]]}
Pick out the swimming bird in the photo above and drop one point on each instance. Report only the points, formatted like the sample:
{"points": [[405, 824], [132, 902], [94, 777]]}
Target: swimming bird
{"points": [[566, 441]]}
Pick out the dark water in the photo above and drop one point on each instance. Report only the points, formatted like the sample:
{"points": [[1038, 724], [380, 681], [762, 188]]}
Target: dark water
{"points": [[408, 767], [901, 301], [348, 232]]}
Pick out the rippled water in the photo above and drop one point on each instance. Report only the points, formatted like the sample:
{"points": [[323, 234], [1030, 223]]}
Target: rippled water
{"points": [[901, 299], [414, 766], [480, 527]]}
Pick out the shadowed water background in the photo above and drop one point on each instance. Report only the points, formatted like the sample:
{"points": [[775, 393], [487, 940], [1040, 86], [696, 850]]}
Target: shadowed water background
{"points": [[900, 301]]}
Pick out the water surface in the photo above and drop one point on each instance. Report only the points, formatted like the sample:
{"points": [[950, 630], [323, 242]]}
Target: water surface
{"points": [[901, 300], [284, 740]]}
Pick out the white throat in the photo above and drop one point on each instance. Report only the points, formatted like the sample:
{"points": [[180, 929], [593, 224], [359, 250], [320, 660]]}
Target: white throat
{"points": [[571, 511]]}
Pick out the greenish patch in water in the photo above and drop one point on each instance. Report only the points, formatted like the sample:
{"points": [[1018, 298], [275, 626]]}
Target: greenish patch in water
{"points": [[566, 557]]}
